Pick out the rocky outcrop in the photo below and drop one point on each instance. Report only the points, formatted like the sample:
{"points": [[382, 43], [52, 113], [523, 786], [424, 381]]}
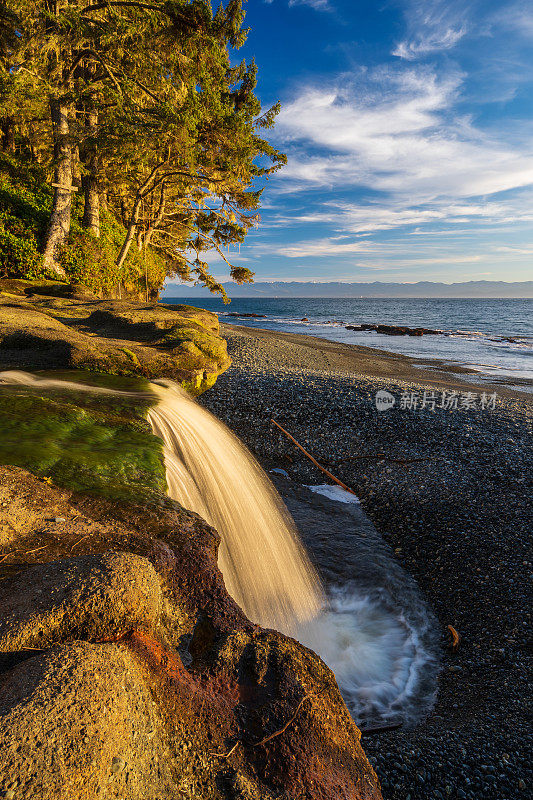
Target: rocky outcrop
{"points": [[48, 327], [392, 330], [246, 315], [128, 671]]}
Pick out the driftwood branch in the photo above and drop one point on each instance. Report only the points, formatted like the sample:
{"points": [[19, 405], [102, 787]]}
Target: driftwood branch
{"points": [[393, 726], [456, 638], [315, 462]]}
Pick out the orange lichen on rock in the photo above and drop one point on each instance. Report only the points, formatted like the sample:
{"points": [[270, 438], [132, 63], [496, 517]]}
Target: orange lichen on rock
{"points": [[143, 670]]}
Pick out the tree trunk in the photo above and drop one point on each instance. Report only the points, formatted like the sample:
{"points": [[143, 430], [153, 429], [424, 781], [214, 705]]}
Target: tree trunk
{"points": [[8, 134], [91, 209], [59, 224], [158, 218], [130, 235], [144, 191]]}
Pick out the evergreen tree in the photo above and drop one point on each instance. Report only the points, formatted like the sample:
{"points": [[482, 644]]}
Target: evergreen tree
{"points": [[140, 103]]}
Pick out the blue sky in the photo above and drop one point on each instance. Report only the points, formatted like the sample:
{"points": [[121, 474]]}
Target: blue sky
{"points": [[409, 130]]}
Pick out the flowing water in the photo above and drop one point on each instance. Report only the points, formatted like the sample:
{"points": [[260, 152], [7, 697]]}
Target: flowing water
{"points": [[265, 568], [369, 624]]}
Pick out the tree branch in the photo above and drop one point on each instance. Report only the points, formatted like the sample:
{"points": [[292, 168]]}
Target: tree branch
{"points": [[132, 3]]}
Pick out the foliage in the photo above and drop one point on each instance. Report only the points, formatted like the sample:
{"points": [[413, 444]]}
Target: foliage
{"points": [[25, 200], [160, 122], [92, 261]]}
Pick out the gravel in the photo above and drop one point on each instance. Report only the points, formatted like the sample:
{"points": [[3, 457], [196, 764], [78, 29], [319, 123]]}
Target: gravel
{"points": [[452, 498]]}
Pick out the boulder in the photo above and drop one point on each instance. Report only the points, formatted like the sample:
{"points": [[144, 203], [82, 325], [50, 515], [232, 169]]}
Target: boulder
{"points": [[39, 331], [148, 680], [392, 330], [79, 721], [94, 596]]}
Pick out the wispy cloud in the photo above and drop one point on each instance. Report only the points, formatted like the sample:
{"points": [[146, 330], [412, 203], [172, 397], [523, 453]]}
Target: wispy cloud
{"points": [[330, 246], [517, 251], [516, 17], [318, 5], [396, 131], [433, 26], [422, 262], [390, 214], [422, 165]]}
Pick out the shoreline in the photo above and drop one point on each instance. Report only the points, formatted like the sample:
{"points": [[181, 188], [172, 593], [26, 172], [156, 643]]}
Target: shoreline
{"points": [[381, 363], [449, 497]]}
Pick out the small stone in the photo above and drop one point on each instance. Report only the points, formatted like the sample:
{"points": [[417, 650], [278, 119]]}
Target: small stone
{"points": [[117, 765], [521, 785], [60, 519]]}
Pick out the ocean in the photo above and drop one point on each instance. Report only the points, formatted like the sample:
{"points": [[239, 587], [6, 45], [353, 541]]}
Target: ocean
{"points": [[476, 333]]}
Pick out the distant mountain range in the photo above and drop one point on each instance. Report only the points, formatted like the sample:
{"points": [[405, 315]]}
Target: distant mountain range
{"points": [[471, 289]]}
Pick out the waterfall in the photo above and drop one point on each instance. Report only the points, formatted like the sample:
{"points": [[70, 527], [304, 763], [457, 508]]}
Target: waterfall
{"points": [[265, 568], [372, 628]]}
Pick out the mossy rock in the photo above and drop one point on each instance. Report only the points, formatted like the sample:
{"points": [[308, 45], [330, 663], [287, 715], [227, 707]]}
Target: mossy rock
{"points": [[95, 443], [63, 331]]}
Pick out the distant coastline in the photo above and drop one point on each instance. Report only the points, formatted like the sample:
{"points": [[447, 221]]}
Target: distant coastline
{"points": [[522, 290]]}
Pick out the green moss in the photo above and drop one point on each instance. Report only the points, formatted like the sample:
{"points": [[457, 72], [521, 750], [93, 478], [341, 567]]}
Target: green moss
{"points": [[92, 443], [195, 340]]}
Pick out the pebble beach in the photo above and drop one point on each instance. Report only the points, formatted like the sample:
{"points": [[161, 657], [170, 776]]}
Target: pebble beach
{"points": [[444, 473]]}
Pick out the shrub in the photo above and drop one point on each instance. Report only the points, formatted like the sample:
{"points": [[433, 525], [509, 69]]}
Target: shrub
{"points": [[25, 201]]}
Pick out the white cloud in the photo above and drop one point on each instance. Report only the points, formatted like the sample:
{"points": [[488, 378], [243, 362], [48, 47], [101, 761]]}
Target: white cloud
{"points": [[398, 263], [330, 246], [518, 251], [516, 17], [318, 5], [395, 131], [389, 214], [444, 40], [433, 26]]}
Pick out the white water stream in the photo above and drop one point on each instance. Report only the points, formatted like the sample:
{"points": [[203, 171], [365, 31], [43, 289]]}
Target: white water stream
{"points": [[265, 568], [374, 650]]}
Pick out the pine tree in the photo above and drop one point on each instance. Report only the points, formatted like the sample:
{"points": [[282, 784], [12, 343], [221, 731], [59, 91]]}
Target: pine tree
{"points": [[142, 100]]}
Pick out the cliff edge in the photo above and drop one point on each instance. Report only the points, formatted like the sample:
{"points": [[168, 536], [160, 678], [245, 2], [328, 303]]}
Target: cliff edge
{"points": [[55, 326]]}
